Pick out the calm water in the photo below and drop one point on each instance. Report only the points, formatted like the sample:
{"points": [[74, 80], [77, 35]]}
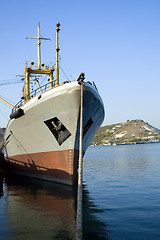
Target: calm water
{"points": [[121, 199]]}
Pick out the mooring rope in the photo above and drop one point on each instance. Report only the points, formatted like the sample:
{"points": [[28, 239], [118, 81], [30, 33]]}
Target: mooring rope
{"points": [[79, 194], [3, 141]]}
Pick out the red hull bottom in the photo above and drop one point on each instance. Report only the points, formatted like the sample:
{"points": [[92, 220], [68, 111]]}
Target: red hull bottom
{"points": [[57, 166]]}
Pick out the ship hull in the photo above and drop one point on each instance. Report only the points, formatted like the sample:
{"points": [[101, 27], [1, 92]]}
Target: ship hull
{"points": [[44, 142], [51, 166]]}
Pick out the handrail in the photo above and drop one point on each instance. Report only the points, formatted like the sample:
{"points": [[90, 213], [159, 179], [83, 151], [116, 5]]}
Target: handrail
{"points": [[33, 94]]}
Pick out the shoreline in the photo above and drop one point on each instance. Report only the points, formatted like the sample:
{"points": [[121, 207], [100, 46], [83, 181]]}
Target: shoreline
{"points": [[115, 144]]}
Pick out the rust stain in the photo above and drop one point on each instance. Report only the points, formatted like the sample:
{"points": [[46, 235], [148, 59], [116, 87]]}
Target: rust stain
{"points": [[57, 164]]}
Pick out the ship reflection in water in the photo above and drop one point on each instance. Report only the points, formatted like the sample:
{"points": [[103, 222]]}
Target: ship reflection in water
{"points": [[34, 209], [39, 210]]}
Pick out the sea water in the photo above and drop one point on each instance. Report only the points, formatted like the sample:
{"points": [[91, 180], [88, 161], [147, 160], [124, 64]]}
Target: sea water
{"points": [[121, 199], [124, 184]]}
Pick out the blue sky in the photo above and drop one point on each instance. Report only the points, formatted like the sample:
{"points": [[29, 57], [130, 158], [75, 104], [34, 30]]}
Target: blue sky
{"points": [[115, 42]]}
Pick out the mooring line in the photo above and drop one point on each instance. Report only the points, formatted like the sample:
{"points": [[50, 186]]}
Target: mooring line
{"points": [[79, 194], [3, 142]]}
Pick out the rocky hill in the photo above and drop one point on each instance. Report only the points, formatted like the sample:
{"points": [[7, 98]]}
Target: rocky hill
{"points": [[130, 132]]}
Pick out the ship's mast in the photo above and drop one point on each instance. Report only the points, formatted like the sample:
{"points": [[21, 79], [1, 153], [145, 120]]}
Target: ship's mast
{"points": [[39, 70], [39, 45], [39, 48], [57, 50]]}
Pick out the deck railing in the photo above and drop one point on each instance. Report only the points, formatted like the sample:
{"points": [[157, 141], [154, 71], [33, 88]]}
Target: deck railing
{"points": [[33, 94]]}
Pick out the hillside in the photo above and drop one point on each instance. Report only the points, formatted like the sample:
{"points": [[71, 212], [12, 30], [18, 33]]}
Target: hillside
{"points": [[130, 132]]}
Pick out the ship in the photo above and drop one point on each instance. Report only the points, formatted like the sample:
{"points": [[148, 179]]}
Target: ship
{"points": [[42, 135]]}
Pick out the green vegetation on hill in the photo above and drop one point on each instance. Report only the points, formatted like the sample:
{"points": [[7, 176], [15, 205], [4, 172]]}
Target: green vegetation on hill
{"points": [[130, 132], [102, 134]]}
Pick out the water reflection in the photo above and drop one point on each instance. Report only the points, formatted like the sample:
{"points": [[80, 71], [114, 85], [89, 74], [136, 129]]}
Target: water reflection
{"points": [[44, 210], [39, 210], [93, 228]]}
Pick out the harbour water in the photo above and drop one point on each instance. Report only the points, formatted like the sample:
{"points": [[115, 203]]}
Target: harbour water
{"points": [[121, 199]]}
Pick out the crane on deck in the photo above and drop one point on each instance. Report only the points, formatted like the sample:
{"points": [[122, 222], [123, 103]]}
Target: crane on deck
{"points": [[8, 82]]}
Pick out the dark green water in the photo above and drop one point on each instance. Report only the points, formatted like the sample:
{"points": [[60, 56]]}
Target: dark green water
{"points": [[121, 199]]}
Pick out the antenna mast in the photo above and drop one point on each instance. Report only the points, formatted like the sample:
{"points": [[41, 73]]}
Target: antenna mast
{"points": [[39, 70], [57, 50], [39, 46]]}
